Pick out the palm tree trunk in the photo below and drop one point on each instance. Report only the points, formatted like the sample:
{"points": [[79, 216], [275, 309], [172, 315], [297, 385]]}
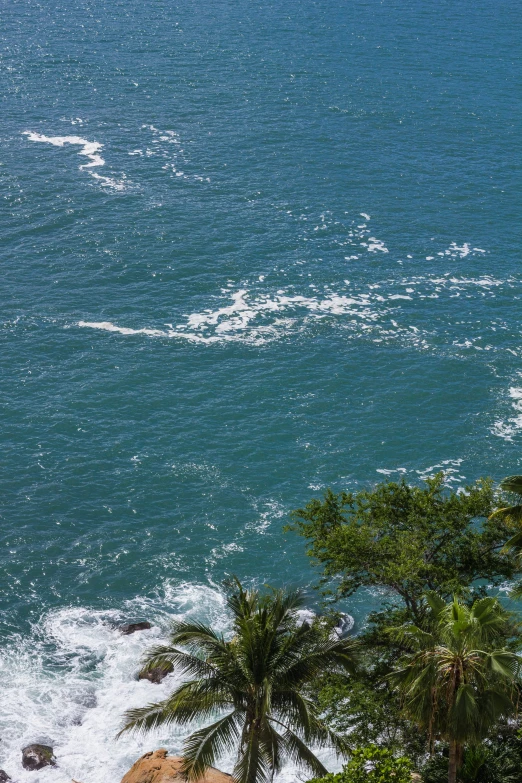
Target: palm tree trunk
{"points": [[460, 756], [452, 766]]}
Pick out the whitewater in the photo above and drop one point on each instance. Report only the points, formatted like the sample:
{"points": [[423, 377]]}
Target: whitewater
{"points": [[69, 683]]}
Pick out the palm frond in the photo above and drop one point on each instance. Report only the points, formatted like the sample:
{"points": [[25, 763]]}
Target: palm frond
{"points": [[411, 636], [493, 705], [141, 719], [300, 754], [511, 514], [515, 542], [341, 654], [252, 765], [516, 591], [191, 700], [295, 708], [271, 746], [465, 708], [504, 663], [204, 746], [436, 603], [512, 484], [197, 637], [185, 663]]}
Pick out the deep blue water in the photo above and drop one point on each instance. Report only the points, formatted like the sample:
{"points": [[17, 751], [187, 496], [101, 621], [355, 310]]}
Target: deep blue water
{"points": [[291, 260]]}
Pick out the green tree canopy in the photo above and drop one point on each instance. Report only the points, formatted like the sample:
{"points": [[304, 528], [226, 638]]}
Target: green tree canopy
{"points": [[459, 678], [408, 539], [254, 683]]}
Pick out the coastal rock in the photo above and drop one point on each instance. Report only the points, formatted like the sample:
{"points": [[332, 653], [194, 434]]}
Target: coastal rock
{"points": [[156, 674], [157, 767], [133, 627], [4, 777], [344, 625], [37, 756]]}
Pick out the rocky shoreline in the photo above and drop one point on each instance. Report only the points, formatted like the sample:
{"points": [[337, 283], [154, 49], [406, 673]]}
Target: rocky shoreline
{"points": [[153, 767], [159, 767]]}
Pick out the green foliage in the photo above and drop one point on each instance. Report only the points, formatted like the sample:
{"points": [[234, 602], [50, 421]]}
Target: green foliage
{"points": [[512, 485], [456, 672], [372, 764], [364, 707], [408, 539], [366, 710], [459, 679], [255, 684], [492, 763]]}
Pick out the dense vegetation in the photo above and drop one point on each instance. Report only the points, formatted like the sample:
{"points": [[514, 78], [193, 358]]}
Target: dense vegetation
{"points": [[439, 680], [431, 683]]}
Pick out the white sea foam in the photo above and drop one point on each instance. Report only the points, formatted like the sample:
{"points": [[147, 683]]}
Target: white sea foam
{"points": [[89, 149], [175, 154], [272, 511], [449, 467], [110, 182], [456, 251], [107, 326], [383, 310], [462, 252], [69, 683], [246, 316], [510, 427], [259, 317], [376, 244]]}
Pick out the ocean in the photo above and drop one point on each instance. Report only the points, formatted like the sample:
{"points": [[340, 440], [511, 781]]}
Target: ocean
{"points": [[249, 251]]}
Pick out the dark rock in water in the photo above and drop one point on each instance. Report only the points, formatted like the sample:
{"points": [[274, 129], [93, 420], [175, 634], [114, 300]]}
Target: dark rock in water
{"points": [[4, 777], [37, 756], [156, 674], [344, 624], [132, 627]]}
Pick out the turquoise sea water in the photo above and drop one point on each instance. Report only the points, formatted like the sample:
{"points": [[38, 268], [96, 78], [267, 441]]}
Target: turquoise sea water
{"points": [[249, 250]]}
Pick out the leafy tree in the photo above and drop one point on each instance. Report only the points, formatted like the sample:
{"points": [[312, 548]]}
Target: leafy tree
{"points": [[367, 710], [372, 764], [255, 682], [457, 681], [407, 539], [513, 513], [365, 707]]}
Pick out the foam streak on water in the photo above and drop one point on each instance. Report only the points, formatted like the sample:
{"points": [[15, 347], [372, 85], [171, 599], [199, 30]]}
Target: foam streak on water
{"points": [[90, 149], [385, 310]]}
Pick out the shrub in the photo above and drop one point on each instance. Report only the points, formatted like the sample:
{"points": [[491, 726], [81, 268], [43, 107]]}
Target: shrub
{"points": [[372, 765]]}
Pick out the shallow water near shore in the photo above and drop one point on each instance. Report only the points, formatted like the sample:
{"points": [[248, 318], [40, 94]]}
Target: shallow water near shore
{"points": [[248, 252]]}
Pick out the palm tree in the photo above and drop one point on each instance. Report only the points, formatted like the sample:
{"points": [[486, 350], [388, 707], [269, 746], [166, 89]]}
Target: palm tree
{"points": [[457, 680], [513, 514], [256, 682]]}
